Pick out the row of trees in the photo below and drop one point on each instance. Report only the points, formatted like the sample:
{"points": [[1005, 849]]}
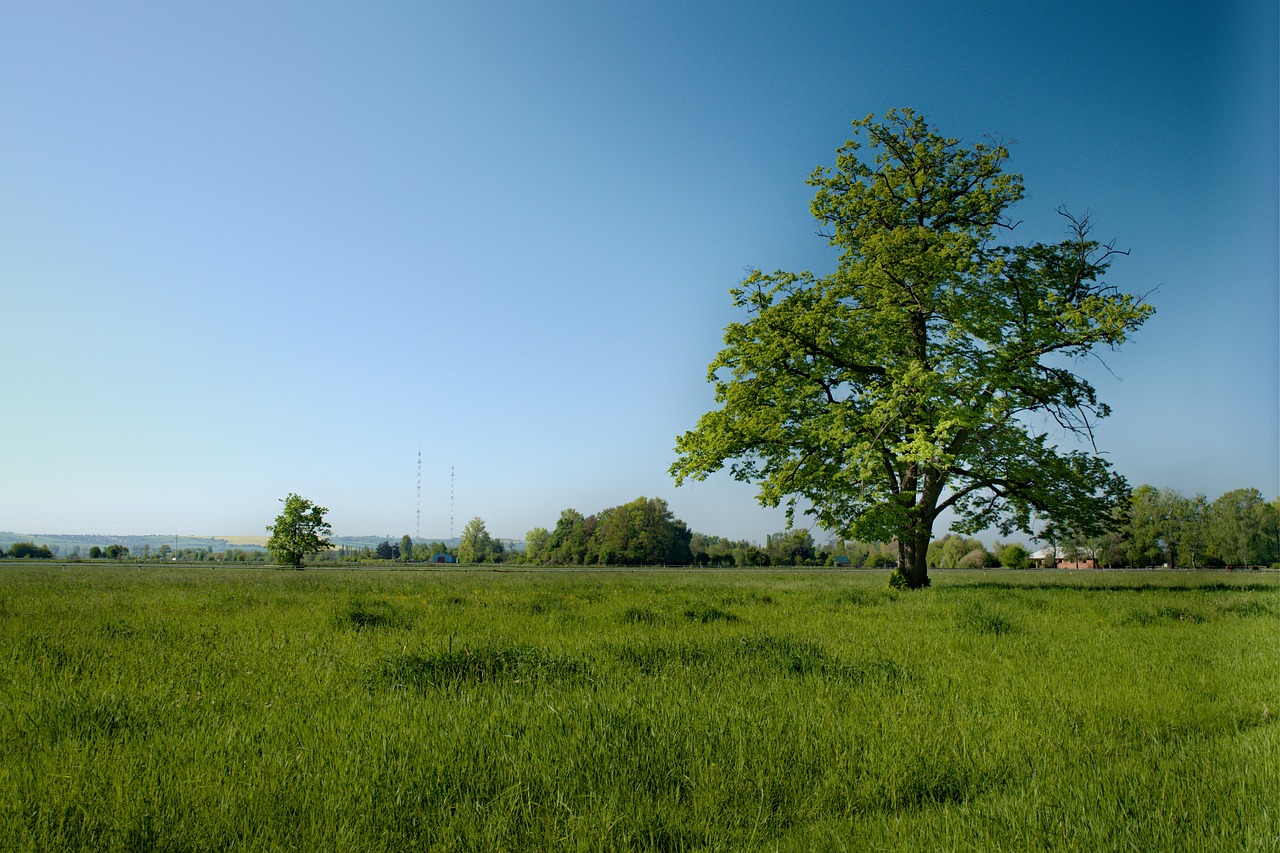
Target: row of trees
{"points": [[798, 548], [1163, 527], [954, 551], [32, 551], [794, 547], [1150, 527], [116, 551], [640, 533], [476, 546], [1156, 527]]}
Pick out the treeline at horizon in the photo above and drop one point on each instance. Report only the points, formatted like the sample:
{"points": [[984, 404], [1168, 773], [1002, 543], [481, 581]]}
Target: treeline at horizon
{"points": [[1159, 527]]}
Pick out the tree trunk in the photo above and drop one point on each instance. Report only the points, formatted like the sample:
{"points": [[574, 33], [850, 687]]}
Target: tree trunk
{"points": [[917, 570], [913, 547], [913, 552]]}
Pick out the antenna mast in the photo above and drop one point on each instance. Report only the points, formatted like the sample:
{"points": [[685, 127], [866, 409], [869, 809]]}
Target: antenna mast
{"points": [[417, 510], [451, 480]]}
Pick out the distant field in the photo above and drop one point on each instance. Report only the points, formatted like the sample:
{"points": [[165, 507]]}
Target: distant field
{"points": [[198, 709], [246, 540]]}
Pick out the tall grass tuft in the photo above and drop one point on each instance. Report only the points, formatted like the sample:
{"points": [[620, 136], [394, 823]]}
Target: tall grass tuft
{"points": [[457, 667], [704, 613]]}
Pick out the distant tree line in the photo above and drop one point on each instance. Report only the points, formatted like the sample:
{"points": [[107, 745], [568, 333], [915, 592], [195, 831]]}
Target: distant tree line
{"points": [[640, 533], [116, 551], [1162, 527], [28, 551], [795, 547], [403, 551], [1157, 527]]}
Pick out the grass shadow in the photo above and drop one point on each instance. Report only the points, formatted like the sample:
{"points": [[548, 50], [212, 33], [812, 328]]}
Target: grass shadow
{"points": [[704, 613], [1161, 616], [451, 668], [371, 614]]}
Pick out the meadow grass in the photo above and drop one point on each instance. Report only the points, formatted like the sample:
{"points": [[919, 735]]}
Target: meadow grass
{"points": [[196, 709]]}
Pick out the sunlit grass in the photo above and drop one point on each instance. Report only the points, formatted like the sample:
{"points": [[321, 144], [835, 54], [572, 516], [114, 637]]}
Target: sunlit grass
{"points": [[242, 709]]}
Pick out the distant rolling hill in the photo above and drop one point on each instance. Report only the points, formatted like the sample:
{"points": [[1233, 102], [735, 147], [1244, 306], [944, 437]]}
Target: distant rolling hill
{"points": [[65, 544], [240, 541]]}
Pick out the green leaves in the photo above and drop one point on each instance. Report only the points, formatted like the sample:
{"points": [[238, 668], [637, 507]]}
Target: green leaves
{"points": [[298, 531], [906, 382], [476, 544], [643, 532]]}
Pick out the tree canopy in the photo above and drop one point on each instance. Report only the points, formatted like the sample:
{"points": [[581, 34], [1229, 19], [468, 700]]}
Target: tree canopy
{"points": [[476, 545], [298, 531], [643, 532], [1164, 527], [29, 550], [931, 370], [1242, 528]]}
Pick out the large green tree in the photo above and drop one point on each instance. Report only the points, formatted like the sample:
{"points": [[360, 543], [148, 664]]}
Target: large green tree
{"points": [[535, 545], [932, 369], [476, 545], [1241, 528], [641, 533], [1164, 527], [567, 544], [299, 530]]}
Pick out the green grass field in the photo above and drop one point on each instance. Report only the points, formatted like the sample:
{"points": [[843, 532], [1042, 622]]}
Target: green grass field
{"points": [[196, 709]]}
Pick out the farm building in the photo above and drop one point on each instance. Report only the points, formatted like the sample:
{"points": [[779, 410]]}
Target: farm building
{"points": [[1051, 557], [444, 558]]}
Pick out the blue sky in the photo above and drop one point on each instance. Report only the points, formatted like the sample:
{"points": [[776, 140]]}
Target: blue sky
{"points": [[255, 248]]}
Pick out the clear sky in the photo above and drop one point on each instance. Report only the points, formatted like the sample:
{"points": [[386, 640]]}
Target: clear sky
{"points": [[262, 247]]}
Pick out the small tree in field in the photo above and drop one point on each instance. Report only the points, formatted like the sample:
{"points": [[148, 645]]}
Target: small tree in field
{"points": [[298, 531]]}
